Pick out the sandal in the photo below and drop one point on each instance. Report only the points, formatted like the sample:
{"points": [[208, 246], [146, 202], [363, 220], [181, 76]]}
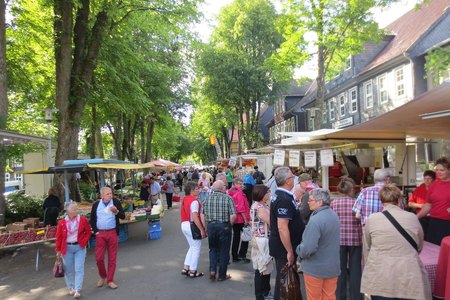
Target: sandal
{"points": [[228, 276], [185, 272], [195, 274]]}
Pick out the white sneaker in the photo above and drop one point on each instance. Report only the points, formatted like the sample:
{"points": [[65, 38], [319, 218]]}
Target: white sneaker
{"points": [[77, 294], [71, 291]]}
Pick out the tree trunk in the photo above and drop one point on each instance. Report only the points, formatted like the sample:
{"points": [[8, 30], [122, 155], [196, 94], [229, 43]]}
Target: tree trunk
{"points": [[148, 150], [142, 131], [99, 143], [3, 107], [320, 96]]}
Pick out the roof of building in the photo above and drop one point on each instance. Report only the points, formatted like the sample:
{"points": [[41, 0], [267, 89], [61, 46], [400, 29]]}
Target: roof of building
{"points": [[408, 29]]}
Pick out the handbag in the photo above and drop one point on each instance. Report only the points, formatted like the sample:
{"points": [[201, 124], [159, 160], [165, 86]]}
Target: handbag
{"points": [[290, 283], [58, 269], [196, 234], [401, 230], [246, 234]]}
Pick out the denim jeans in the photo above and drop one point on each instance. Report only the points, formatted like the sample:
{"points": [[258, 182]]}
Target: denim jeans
{"points": [[279, 264], [219, 239], [384, 298], [73, 263]]}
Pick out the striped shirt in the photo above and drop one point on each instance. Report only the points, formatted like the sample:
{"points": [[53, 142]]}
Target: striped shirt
{"points": [[368, 202], [218, 207], [351, 230]]}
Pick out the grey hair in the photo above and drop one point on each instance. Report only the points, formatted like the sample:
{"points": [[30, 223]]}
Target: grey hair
{"points": [[281, 175], [69, 204], [221, 176], [321, 194], [102, 190], [237, 181], [218, 186], [381, 174]]}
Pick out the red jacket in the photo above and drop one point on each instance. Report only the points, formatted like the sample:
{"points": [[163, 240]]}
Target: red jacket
{"points": [[185, 211], [84, 234]]}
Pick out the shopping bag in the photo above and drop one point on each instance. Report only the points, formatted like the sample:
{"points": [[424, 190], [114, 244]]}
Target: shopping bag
{"points": [[290, 284], [58, 270], [246, 234]]}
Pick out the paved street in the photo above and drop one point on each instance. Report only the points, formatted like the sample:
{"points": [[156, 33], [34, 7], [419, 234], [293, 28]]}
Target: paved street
{"points": [[145, 270]]}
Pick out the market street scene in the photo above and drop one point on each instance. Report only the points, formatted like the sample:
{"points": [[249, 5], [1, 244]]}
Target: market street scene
{"points": [[235, 149]]}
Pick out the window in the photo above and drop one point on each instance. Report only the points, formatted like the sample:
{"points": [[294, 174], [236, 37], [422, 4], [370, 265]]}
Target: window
{"points": [[331, 109], [368, 96], [445, 76], [348, 63], [7, 176], [382, 89], [311, 124], [353, 95], [341, 105], [399, 82], [324, 116]]}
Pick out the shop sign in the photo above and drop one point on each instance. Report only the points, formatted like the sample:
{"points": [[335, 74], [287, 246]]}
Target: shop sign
{"points": [[343, 123], [310, 159], [294, 158], [326, 158], [278, 157]]}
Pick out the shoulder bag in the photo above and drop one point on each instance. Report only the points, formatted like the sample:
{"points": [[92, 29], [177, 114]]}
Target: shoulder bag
{"points": [[195, 231], [401, 229]]}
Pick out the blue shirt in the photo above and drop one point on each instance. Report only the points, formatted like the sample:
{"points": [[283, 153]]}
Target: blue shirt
{"points": [[105, 220], [248, 179]]}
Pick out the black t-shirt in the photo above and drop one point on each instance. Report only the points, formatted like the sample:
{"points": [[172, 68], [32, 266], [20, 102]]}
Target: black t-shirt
{"points": [[283, 206]]}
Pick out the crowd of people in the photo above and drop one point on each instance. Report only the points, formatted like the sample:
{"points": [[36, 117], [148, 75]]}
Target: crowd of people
{"points": [[340, 244]]}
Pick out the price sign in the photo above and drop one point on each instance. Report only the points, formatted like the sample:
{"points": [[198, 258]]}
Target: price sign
{"points": [[278, 157], [294, 158], [326, 158], [310, 159]]}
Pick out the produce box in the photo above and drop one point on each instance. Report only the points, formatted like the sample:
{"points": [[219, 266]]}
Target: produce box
{"points": [[3, 238], [3, 229], [35, 235], [18, 226], [51, 232], [17, 237], [34, 222]]}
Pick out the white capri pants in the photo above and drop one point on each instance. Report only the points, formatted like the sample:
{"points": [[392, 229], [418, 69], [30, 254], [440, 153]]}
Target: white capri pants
{"points": [[193, 253]]}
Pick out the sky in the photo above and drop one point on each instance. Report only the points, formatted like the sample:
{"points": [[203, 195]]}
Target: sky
{"points": [[384, 17]]}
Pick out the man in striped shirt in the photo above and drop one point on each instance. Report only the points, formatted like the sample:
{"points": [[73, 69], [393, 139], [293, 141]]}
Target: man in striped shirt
{"points": [[368, 201], [219, 213]]}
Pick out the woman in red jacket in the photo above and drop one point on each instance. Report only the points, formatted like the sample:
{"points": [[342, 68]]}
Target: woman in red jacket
{"points": [[72, 236]]}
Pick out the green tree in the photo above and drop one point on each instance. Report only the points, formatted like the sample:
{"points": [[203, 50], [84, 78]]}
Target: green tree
{"points": [[238, 67], [342, 28], [438, 64], [3, 106], [78, 43]]}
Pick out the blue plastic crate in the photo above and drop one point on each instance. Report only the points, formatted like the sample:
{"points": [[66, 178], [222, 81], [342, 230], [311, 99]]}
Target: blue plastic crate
{"points": [[91, 243], [154, 226], [123, 233], [155, 235]]}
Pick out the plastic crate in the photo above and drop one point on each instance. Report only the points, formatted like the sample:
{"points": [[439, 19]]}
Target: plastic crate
{"points": [[155, 235], [154, 226], [91, 243]]}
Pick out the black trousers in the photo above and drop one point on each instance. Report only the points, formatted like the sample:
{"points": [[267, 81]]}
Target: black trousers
{"points": [[262, 285], [352, 255], [169, 199], [236, 251]]}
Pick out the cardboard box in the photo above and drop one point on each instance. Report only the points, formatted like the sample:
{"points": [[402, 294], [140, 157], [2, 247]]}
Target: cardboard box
{"points": [[17, 226], [3, 229], [34, 222]]}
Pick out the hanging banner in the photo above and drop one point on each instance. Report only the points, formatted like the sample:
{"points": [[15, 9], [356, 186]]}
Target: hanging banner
{"points": [[278, 157], [326, 158], [294, 158], [310, 159]]}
